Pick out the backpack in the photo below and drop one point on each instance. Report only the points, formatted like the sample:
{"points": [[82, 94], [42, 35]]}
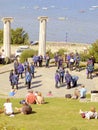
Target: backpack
{"points": [[68, 96]]}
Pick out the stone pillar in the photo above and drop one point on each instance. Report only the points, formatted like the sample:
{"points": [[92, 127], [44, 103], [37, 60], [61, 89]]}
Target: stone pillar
{"points": [[7, 36], [42, 35]]}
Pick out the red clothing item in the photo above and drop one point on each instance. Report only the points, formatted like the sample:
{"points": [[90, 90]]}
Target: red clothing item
{"points": [[31, 98]]}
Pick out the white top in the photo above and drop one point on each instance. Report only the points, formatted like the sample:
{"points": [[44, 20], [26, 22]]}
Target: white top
{"points": [[8, 108], [90, 114]]}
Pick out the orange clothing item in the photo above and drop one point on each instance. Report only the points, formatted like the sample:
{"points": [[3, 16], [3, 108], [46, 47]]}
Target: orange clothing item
{"points": [[31, 98]]}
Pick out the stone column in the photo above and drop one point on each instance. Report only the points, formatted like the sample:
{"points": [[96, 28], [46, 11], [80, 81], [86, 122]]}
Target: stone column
{"points": [[42, 35], [7, 36]]}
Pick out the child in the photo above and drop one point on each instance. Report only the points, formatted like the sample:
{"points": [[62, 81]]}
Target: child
{"points": [[92, 114], [49, 94]]}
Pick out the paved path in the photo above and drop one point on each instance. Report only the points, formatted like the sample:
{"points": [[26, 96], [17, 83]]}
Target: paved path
{"points": [[44, 82]]}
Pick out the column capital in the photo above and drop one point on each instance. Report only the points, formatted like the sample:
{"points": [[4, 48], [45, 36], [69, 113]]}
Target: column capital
{"points": [[7, 19], [42, 18]]}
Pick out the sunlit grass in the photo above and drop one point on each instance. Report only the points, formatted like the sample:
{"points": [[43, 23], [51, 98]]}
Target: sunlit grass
{"points": [[56, 114]]}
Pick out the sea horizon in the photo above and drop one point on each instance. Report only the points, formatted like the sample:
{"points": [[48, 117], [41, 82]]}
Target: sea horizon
{"points": [[69, 21]]}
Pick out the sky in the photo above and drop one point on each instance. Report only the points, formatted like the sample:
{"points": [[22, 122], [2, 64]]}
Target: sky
{"points": [[68, 20]]}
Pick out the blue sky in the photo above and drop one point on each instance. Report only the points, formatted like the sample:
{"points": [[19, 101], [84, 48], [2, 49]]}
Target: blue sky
{"points": [[71, 20]]}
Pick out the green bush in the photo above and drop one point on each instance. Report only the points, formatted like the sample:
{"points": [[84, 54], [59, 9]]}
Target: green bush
{"points": [[50, 53], [61, 51], [94, 50], [84, 56], [27, 54]]}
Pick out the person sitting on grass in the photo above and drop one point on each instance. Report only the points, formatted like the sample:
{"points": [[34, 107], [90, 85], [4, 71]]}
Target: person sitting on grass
{"points": [[76, 94], [39, 98], [25, 109], [30, 98], [8, 109], [82, 92], [92, 114]]}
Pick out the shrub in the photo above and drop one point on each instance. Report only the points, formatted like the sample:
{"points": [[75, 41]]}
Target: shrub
{"points": [[61, 51], [84, 56], [94, 50], [50, 53], [27, 54]]}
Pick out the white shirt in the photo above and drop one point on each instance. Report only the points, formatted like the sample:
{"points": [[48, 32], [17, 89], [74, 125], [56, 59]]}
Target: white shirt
{"points": [[8, 107], [90, 114]]}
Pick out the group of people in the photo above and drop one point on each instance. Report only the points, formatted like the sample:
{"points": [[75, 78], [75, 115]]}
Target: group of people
{"points": [[73, 60], [79, 93], [31, 98], [38, 60], [19, 69], [61, 75]]}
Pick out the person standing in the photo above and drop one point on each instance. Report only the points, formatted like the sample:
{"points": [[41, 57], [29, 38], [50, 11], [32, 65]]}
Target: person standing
{"points": [[56, 59], [47, 58], [15, 80], [68, 79], [10, 76], [57, 79], [16, 66], [20, 70], [32, 69], [28, 78], [60, 61], [40, 60], [26, 65], [62, 74], [90, 68]]}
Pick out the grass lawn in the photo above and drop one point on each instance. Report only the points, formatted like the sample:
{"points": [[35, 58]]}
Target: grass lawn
{"points": [[56, 114]]}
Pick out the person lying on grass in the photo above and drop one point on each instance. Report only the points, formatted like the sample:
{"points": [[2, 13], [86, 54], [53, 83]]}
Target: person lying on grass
{"points": [[92, 114], [25, 109]]}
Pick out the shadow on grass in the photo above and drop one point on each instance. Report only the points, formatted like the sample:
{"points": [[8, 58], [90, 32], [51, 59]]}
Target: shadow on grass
{"points": [[33, 112]]}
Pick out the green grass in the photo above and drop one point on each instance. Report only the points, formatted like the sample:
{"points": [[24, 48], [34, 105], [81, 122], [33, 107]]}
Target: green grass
{"points": [[56, 114]]}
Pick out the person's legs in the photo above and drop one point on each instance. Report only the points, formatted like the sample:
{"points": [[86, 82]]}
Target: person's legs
{"points": [[21, 75], [91, 75], [29, 85], [16, 86]]}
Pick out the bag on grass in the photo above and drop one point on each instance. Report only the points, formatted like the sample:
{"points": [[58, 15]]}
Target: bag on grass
{"points": [[68, 96]]}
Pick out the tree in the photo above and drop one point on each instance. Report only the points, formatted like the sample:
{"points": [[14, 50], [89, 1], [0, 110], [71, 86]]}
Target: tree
{"points": [[19, 36], [1, 36], [94, 50]]}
